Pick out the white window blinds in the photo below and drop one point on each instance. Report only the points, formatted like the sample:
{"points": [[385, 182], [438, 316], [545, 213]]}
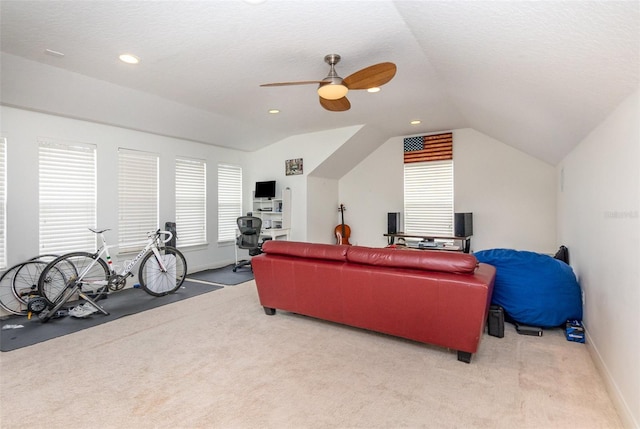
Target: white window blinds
{"points": [[191, 201], [229, 200], [428, 198], [67, 196], [137, 198], [3, 203]]}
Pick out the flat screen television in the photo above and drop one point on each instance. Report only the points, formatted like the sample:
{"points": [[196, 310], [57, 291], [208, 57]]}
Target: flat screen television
{"points": [[265, 189]]}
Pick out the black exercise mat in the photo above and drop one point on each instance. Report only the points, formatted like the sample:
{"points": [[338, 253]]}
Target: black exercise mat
{"points": [[224, 275], [118, 304]]}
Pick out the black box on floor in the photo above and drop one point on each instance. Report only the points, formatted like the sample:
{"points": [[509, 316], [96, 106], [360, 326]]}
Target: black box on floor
{"points": [[496, 321], [528, 330]]}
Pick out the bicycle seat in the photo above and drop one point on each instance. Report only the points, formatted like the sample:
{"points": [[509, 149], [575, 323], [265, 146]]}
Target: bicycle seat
{"points": [[100, 231]]}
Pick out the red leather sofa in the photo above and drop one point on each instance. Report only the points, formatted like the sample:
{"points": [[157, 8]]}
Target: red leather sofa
{"points": [[434, 297]]}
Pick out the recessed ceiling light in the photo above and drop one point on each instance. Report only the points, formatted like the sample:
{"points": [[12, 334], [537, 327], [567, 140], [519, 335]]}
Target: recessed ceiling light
{"points": [[129, 59], [274, 111], [416, 122], [374, 89]]}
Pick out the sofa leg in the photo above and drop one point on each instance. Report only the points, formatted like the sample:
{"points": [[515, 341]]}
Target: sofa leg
{"points": [[269, 311], [464, 356]]}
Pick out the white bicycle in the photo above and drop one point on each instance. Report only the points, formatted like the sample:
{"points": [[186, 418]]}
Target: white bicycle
{"points": [[90, 276]]}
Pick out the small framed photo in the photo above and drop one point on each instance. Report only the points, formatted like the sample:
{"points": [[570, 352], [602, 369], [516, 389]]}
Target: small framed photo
{"points": [[293, 166]]}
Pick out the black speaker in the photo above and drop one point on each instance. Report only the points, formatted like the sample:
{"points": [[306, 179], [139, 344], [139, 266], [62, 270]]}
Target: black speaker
{"points": [[393, 223], [463, 224]]}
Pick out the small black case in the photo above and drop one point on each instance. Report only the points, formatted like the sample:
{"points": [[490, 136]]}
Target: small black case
{"points": [[529, 330], [496, 321]]}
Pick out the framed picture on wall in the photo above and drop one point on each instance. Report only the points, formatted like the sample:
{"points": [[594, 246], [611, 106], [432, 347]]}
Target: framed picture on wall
{"points": [[293, 166]]}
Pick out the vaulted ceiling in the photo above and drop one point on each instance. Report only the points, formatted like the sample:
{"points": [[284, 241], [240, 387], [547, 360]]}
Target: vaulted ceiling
{"points": [[538, 76]]}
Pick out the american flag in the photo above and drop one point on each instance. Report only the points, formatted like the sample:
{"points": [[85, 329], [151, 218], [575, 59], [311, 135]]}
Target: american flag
{"points": [[434, 147]]}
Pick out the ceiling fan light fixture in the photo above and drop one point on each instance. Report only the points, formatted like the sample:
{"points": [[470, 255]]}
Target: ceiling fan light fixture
{"points": [[333, 89]]}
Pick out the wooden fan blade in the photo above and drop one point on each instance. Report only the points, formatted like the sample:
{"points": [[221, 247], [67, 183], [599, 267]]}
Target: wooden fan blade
{"points": [[339, 105], [304, 82], [370, 77]]}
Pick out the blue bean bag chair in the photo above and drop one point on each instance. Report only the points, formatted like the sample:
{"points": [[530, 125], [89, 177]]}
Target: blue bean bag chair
{"points": [[534, 289]]}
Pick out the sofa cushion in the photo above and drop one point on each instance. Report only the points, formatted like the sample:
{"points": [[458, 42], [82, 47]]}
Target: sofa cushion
{"points": [[432, 260], [305, 250]]}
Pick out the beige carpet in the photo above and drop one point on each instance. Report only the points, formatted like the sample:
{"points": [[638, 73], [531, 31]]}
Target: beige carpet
{"points": [[217, 361]]}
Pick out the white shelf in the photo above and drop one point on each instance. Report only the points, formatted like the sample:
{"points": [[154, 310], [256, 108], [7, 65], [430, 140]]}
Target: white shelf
{"points": [[275, 214]]}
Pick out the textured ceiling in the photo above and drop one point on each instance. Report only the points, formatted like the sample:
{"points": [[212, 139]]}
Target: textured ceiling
{"points": [[538, 76]]}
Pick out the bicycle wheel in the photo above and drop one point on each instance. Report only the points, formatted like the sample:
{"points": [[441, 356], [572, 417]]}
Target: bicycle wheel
{"points": [[65, 271], [25, 282], [157, 282], [8, 299]]}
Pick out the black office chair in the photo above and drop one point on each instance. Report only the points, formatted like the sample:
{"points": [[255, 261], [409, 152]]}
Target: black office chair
{"points": [[249, 238]]}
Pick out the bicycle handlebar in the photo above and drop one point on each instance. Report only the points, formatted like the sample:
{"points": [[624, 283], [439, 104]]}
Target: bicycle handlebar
{"points": [[160, 232]]}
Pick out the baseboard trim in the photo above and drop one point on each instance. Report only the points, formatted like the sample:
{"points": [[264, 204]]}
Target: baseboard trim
{"points": [[628, 421]]}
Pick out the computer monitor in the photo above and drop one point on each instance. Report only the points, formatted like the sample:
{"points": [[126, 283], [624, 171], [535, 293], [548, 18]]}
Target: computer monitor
{"points": [[265, 189]]}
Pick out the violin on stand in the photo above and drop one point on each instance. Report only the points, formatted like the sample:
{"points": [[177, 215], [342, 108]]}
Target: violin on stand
{"points": [[342, 231]]}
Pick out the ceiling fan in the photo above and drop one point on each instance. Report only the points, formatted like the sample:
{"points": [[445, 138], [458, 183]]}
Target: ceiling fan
{"points": [[333, 89]]}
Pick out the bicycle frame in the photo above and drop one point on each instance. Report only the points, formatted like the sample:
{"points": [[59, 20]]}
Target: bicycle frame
{"points": [[152, 244]]}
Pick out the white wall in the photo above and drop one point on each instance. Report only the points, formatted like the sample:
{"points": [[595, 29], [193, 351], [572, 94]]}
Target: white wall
{"points": [[22, 128], [269, 164], [511, 194], [322, 209], [370, 190], [598, 218]]}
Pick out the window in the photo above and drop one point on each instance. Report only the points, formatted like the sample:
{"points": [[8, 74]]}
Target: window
{"points": [[67, 196], [3, 203], [229, 201], [137, 197], [191, 201], [428, 185]]}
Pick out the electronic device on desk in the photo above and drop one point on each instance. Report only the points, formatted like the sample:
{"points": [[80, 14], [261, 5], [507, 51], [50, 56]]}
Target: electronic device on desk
{"points": [[430, 244], [452, 247], [265, 189]]}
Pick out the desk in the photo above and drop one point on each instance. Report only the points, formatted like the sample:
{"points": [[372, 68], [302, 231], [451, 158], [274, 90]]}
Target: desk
{"points": [[464, 241], [274, 233]]}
